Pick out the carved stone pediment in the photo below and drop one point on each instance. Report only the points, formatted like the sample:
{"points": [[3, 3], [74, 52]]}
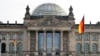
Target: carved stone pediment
{"points": [[49, 21]]}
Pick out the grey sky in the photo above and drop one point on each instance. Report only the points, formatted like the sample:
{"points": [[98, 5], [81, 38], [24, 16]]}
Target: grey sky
{"points": [[13, 10]]}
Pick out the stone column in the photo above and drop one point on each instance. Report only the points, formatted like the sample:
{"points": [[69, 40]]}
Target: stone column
{"points": [[53, 47], [36, 43], [53, 41], [44, 40], [61, 42], [25, 42], [36, 40], [44, 43]]}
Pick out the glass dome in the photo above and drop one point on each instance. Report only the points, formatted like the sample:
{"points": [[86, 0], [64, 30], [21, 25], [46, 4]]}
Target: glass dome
{"points": [[49, 9]]}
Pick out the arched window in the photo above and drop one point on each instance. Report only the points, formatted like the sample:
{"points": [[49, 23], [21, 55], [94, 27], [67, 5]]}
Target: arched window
{"points": [[11, 47], [3, 48], [19, 47], [86, 48], [78, 47], [94, 48]]}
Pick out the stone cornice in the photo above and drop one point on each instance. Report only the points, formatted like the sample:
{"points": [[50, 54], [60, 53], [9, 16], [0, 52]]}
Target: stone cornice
{"points": [[50, 28]]}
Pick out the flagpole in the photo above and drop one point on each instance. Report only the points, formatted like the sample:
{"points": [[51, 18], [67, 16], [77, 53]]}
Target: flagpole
{"points": [[82, 42], [15, 50], [81, 31], [15, 46], [83, 34], [0, 47], [84, 45]]}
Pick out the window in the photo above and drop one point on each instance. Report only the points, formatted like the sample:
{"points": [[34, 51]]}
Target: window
{"points": [[78, 37], [11, 36], [41, 41], [57, 40], [11, 47], [78, 47], [20, 36], [94, 37], [3, 48], [19, 48], [94, 48], [86, 37], [3, 36], [86, 48], [57, 43], [49, 43]]}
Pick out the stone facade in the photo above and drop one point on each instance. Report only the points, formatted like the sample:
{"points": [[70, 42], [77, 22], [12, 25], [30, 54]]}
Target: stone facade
{"points": [[33, 24]]}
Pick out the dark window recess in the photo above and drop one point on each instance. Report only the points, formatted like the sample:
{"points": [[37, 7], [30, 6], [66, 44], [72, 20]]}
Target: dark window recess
{"points": [[40, 53], [57, 53], [3, 48]]}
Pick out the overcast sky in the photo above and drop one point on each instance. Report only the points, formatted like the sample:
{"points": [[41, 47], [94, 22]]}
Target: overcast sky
{"points": [[13, 10]]}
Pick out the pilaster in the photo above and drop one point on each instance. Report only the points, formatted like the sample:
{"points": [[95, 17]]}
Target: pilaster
{"points": [[90, 42], [7, 44], [28, 40], [98, 39]]}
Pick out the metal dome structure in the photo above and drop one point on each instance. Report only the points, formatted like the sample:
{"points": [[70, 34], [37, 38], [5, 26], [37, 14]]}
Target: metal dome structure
{"points": [[48, 9]]}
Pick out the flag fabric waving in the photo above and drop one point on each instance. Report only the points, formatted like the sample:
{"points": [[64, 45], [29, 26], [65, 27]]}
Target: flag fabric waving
{"points": [[81, 26]]}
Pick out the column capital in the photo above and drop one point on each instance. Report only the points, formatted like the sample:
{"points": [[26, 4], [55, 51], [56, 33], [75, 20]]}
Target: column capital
{"points": [[37, 31], [44, 31], [61, 31], [28, 31], [53, 31]]}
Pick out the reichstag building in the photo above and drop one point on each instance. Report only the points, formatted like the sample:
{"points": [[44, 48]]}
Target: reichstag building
{"points": [[49, 31]]}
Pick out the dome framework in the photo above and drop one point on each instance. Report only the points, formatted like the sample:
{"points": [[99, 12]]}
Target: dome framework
{"points": [[48, 9]]}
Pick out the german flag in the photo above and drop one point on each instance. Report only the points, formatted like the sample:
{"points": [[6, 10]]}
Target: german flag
{"points": [[81, 26]]}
